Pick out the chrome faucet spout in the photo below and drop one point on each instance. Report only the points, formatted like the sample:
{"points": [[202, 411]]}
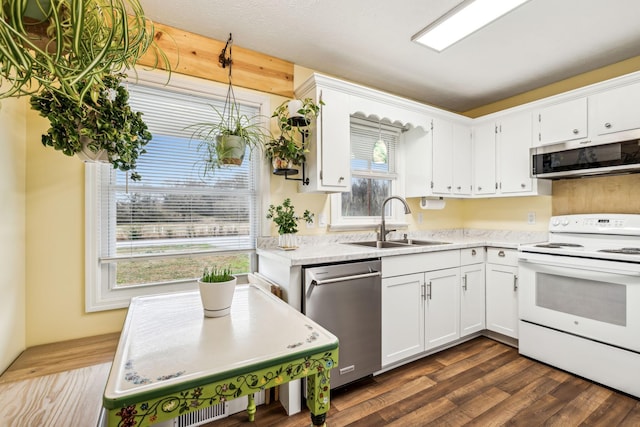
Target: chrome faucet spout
{"points": [[383, 230]]}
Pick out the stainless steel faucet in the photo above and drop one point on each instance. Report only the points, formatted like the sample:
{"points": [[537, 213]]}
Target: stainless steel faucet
{"points": [[382, 234]]}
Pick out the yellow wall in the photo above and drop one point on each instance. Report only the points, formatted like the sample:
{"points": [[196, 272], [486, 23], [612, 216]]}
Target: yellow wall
{"points": [[55, 246], [12, 230]]}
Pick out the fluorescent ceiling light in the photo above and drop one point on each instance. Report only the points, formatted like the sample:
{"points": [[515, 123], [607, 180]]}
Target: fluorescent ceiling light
{"points": [[466, 18]]}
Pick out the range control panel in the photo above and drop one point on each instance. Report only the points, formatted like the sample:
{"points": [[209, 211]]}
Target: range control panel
{"points": [[627, 224]]}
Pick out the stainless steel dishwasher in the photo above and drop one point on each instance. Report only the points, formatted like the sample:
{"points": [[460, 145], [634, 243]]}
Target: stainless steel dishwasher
{"points": [[345, 298]]}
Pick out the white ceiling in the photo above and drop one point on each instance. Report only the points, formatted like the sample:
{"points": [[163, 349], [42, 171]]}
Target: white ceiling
{"points": [[369, 42]]}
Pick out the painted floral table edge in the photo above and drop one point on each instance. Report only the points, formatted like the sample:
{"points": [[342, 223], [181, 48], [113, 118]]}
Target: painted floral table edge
{"points": [[315, 367]]}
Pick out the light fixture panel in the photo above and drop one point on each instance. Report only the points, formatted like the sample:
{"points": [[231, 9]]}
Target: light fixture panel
{"points": [[465, 19]]}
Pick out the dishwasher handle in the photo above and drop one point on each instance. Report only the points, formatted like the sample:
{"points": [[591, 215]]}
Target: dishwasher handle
{"points": [[315, 282]]}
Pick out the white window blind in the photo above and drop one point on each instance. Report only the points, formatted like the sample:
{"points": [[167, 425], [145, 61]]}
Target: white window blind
{"points": [[371, 182], [160, 232]]}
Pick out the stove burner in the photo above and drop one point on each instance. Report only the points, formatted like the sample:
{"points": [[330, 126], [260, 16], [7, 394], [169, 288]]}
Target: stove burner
{"points": [[558, 245], [626, 251]]}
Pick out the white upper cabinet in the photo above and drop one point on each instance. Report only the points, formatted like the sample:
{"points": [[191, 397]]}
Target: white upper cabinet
{"points": [[514, 142], [417, 146], [462, 160], [616, 110], [561, 122], [442, 132], [328, 160], [484, 157]]}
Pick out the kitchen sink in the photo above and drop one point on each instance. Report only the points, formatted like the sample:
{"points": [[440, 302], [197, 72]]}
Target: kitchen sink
{"points": [[380, 244], [399, 243], [419, 242]]}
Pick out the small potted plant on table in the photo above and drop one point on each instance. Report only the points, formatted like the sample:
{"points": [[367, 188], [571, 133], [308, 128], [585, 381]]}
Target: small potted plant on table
{"points": [[285, 218], [217, 287]]}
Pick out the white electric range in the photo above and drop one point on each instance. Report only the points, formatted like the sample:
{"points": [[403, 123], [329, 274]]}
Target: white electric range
{"points": [[579, 298]]}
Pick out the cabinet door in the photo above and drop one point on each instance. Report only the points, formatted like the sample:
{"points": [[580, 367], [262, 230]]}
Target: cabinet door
{"points": [[616, 110], [502, 299], [442, 157], [514, 142], [402, 317], [472, 294], [484, 155], [562, 122], [442, 307], [462, 160], [417, 147], [334, 147]]}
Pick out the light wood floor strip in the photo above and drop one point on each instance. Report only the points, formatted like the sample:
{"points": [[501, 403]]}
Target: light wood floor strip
{"points": [[71, 398]]}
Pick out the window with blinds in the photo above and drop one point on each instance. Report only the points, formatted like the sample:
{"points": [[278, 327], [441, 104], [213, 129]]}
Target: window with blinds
{"points": [[159, 233], [371, 182]]}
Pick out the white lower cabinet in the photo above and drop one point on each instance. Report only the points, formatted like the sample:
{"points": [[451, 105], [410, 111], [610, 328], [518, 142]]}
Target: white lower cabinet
{"points": [[420, 310], [472, 291], [402, 317], [502, 291]]}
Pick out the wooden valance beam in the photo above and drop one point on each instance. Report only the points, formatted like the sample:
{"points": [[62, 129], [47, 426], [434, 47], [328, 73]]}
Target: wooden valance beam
{"points": [[197, 56]]}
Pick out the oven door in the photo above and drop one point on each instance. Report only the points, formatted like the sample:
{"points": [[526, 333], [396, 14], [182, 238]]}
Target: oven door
{"points": [[594, 299]]}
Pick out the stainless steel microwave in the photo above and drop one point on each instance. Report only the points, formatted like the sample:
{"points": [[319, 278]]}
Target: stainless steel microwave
{"points": [[585, 159]]}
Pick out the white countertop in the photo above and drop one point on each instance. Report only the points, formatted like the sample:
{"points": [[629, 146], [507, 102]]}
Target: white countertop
{"points": [[325, 249]]}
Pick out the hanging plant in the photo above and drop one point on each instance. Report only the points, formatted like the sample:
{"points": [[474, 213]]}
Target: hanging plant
{"points": [[105, 124], [291, 116], [224, 140], [71, 46]]}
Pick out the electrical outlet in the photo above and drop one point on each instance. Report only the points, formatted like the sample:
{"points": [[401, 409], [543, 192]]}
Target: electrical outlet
{"points": [[531, 218]]}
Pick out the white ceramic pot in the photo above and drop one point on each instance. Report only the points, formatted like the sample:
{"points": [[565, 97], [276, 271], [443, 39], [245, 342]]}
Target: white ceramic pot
{"points": [[87, 155], [293, 106], [217, 297], [287, 241], [230, 149]]}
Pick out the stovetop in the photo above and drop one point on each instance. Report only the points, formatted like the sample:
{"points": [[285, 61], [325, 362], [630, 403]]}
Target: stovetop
{"points": [[598, 236]]}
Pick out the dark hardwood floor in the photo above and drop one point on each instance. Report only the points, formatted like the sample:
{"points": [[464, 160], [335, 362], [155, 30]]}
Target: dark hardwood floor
{"points": [[478, 383]]}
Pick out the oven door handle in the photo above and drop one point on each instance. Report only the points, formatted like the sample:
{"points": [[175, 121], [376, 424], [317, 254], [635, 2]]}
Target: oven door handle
{"points": [[607, 269], [315, 282]]}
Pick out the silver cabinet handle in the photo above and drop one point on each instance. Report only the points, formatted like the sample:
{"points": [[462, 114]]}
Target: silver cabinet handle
{"points": [[501, 254], [459, 188], [448, 187], [523, 185], [344, 278], [575, 131], [473, 252], [464, 282], [341, 179], [479, 188], [429, 290], [515, 283], [607, 125], [422, 290]]}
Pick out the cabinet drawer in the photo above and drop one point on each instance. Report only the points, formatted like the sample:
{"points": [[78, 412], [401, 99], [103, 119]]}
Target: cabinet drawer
{"points": [[417, 263], [471, 256], [502, 256]]}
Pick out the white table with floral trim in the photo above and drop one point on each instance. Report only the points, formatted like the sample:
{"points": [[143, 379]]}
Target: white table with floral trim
{"points": [[171, 360]]}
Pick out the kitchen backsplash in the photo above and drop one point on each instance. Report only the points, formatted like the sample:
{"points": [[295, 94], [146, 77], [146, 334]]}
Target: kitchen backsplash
{"points": [[607, 194]]}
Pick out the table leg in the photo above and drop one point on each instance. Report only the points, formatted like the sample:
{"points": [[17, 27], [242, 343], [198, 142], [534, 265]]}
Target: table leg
{"points": [[318, 397], [251, 407]]}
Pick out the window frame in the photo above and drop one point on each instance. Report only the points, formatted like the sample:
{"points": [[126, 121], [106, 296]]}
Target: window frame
{"points": [[99, 293], [397, 217]]}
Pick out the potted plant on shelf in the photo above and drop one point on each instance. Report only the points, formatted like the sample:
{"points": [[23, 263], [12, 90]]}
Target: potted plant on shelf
{"points": [[102, 128], [284, 154], [290, 148], [217, 287], [285, 218]]}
